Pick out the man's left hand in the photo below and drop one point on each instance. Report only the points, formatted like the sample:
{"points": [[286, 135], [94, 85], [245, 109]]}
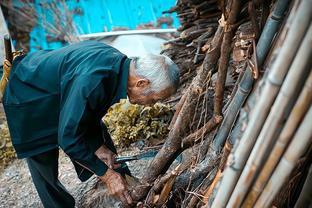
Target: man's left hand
{"points": [[107, 156]]}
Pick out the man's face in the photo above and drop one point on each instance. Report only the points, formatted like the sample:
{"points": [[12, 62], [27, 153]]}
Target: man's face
{"points": [[139, 96], [138, 90]]}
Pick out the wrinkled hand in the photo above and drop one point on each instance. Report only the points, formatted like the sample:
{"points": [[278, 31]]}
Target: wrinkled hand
{"points": [[117, 186], [107, 156]]}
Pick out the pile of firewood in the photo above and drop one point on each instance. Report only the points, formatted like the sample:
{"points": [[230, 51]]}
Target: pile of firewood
{"points": [[244, 38], [199, 21]]}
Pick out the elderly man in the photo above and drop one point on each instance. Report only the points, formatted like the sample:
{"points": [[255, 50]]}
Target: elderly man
{"points": [[57, 99]]}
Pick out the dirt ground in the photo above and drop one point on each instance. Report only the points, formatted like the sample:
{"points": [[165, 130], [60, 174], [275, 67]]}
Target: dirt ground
{"points": [[17, 189]]}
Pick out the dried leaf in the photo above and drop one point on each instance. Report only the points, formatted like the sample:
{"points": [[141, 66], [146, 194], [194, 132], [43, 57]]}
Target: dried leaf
{"points": [[128, 123]]}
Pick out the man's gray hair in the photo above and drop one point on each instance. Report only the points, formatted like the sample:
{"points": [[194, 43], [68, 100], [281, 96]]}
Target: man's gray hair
{"points": [[160, 70]]}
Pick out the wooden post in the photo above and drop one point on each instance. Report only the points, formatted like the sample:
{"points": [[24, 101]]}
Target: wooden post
{"points": [[8, 48]]}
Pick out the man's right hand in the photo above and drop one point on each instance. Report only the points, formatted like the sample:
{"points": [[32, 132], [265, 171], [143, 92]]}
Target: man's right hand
{"points": [[117, 186]]}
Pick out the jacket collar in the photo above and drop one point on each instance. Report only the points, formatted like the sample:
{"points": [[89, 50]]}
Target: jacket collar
{"points": [[121, 92]]}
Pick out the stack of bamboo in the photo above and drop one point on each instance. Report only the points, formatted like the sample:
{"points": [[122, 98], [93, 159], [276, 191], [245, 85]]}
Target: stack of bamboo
{"points": [[269, 128], [278, 132]]}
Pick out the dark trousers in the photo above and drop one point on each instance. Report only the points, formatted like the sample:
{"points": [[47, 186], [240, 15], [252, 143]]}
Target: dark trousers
{"points": [[44, 173]]}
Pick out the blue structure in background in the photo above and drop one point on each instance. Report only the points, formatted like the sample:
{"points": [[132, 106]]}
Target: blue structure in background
{"points": [[91, 16]]}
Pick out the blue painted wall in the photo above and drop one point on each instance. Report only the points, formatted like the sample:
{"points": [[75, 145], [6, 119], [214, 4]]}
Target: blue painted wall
{"points": [[90, 16]]}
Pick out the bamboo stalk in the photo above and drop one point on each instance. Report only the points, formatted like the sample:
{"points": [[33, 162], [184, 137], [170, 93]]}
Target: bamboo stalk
{"points": [[274, 120], [300, 143], [296, 115], [246, 83], [277, 73]]}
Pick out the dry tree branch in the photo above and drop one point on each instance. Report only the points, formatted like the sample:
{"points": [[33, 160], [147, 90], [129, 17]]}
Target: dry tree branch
{"points": [[173, 142]]}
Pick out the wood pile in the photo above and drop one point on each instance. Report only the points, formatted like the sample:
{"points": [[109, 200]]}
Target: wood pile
{"points": [[199, 21], [264, 47]]}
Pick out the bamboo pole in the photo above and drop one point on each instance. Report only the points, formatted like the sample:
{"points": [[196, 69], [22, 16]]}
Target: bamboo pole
{"points": [[279, 69], [274, 121], [300, 143], [302, 105], [245, 85]]}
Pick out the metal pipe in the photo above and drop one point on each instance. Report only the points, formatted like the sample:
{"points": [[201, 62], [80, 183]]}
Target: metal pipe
{"points": [[279, 69], [126, 32]]}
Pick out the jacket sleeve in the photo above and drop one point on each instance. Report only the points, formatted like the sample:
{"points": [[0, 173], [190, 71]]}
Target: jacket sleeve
{"points": [[77, 112]]}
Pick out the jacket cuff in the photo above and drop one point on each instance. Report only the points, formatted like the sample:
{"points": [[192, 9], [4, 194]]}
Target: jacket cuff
{"points": [[99, 168]]}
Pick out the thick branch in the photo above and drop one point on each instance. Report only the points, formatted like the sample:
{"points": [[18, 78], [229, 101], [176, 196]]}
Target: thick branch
{"points": [[173, 142], [225, 54]]}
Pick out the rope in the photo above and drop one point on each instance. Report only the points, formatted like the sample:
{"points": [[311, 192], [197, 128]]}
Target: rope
{"points": [[4, 79]]}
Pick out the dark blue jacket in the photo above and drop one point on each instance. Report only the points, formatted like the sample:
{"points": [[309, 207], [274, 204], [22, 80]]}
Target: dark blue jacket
{"points": [[57, 98]]}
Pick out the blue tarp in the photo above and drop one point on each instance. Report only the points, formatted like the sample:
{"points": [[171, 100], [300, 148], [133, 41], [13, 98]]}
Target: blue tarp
{"points": [[90, 16]]}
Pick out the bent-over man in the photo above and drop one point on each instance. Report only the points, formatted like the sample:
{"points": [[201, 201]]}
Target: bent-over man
{"points": [[57, 98]]}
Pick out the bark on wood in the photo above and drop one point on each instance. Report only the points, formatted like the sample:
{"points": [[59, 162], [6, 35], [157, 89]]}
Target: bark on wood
{"points": [[225, 54]]}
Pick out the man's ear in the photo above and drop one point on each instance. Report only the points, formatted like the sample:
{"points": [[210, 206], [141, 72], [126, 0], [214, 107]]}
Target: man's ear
{"points": [[142, 83]]}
